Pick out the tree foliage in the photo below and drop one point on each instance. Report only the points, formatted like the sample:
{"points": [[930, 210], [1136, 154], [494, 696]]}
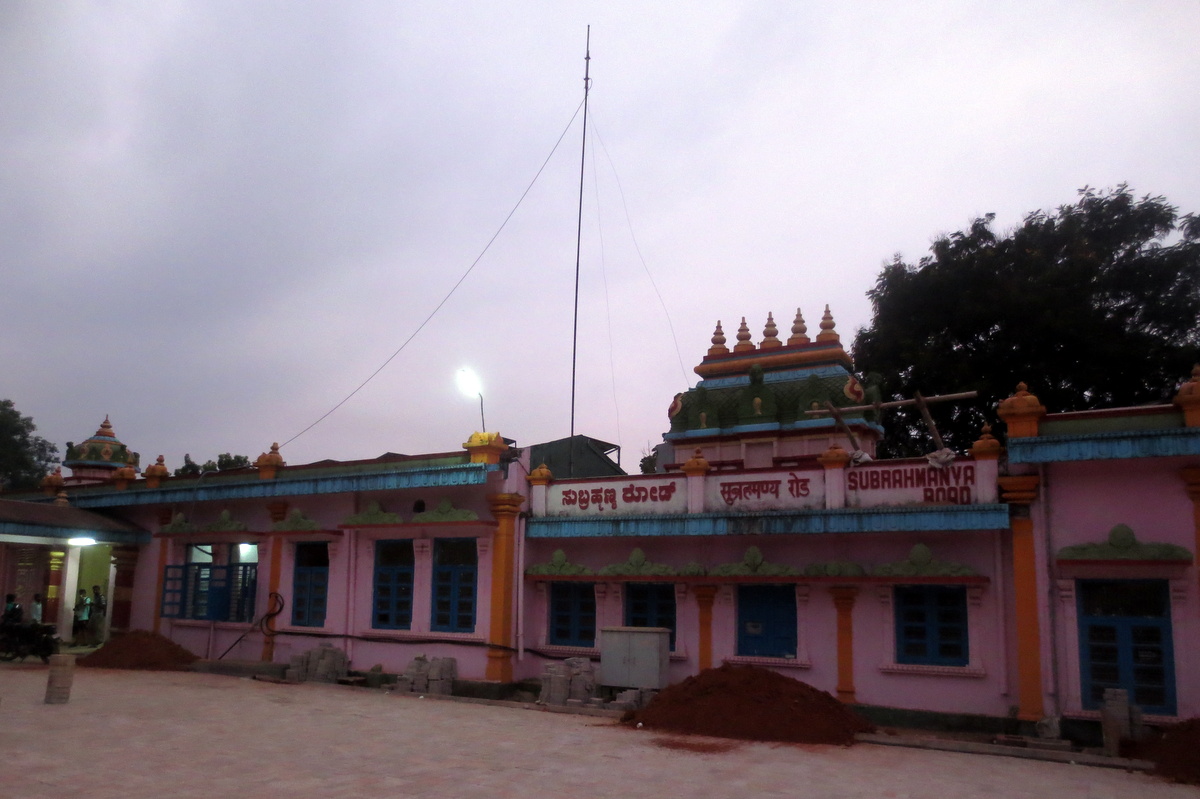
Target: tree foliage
{"points": [[1093, 305], [25, 458], [223, 462]]}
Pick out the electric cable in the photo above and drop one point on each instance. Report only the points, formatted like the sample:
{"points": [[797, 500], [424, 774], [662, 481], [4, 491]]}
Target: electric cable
{"points": [[453, 288], [612, 368], [638, 249]]}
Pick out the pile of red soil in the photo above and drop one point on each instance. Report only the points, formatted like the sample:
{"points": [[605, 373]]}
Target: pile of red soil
{"points": [[139, 649], [752, 704], [1174, 750]]}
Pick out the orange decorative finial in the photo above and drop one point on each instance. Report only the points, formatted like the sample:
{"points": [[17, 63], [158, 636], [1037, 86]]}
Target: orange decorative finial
{"points": [[123, 476], [987, 447], [269, 464], [743, 338], [834, 458], [106, 429], [770, 334], [540, 476], [799, 330], [53, 482], [1188, 399], [155, 473], [485, 447], [718, 341], [827, 332], [1021, 412], [696, 465]]}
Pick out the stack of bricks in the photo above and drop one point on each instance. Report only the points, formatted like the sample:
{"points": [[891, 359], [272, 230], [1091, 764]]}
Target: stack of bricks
{"points": [[325, 663], [571, 682], [429, 676]]}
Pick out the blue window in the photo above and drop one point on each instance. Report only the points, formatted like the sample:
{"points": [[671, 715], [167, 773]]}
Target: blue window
{"points": [[1125, 642], [310, 584], [931, 625], [767, 621], [455, 567], [393, 585], [573, 614], [210, 592], [651, 605]]}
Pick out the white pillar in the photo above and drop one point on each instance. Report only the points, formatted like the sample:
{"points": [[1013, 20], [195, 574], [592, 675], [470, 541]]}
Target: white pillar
{"points": [[69, 593]]}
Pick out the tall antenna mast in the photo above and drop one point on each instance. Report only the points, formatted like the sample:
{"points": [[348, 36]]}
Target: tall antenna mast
{"points": [[587, 82]]}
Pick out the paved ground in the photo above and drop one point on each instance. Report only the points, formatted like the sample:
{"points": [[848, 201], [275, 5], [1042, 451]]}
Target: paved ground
{"points": [[158, 734]]}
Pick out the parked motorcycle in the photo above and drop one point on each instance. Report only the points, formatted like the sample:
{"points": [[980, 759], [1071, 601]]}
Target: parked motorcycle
{"points": [[18, 641]]}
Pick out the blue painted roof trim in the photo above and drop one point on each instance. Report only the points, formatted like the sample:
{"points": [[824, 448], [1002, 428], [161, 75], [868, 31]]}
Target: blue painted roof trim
{"points": [[47, 531], [806, 424], [785, 376], [283, 486], [848, 520], [1105, 446]]}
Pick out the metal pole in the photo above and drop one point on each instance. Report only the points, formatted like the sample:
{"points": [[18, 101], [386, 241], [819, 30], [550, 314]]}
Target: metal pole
{"points": [[587, 64]]}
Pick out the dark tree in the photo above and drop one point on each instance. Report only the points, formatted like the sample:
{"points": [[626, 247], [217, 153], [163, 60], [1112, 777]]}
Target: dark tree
{"points": [[189, 468], [1095, 304], [227, 461], [25, 458], [224, 461]]}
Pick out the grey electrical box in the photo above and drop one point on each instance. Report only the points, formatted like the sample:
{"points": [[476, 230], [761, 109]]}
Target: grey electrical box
{"points": [[635, 657]]}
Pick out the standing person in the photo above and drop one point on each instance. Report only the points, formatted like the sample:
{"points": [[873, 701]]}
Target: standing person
{"points": [[96, 619], [12, 610], [35, 609], [83, 613]]}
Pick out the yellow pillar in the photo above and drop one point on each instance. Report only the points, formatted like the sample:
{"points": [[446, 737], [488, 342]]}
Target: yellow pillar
{"points": [[704, 599], [843, 600], [505, 508], [276, 544], [1019, 491]]}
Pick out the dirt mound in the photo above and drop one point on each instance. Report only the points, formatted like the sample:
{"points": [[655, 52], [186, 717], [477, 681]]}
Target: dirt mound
{"points": [[1174, 751], [752, 704], [139, 649]]}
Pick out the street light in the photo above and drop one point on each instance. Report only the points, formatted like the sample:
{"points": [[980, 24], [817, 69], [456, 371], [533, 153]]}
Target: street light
{"points": [[469, 385]]}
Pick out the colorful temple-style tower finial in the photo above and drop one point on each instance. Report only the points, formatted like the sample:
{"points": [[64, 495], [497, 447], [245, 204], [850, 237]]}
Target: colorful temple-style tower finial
{"points": [[718, 342], [744, 344], [827, 332], [770, 334], [799, 330], [98, 457], [106, 430]]}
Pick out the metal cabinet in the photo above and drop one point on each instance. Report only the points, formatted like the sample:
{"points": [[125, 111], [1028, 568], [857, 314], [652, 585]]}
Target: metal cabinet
{"points": [[634, 657]]}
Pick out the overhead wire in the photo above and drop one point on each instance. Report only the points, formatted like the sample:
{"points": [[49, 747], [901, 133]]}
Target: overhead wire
{"points": [[638, 250], [612, 367], [453, 288]]}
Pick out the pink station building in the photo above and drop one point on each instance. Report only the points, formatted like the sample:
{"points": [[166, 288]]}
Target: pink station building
{"points": [[1004, 582]]}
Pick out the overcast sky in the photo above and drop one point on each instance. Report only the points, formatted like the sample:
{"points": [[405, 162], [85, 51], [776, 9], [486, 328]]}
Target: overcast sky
{"points": [[217, 219]]}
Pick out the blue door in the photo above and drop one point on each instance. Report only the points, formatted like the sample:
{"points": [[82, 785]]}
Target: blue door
{"points": [[767, 621], [1125, 642]]}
